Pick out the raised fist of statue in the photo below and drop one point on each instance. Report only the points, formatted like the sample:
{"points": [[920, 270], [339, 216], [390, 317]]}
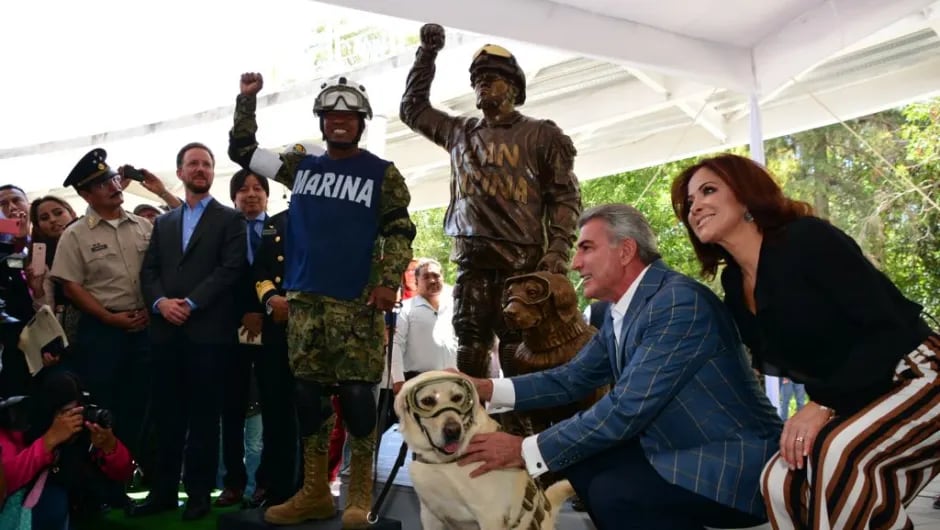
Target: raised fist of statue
{"points": [[250, 83], [432, 37]]}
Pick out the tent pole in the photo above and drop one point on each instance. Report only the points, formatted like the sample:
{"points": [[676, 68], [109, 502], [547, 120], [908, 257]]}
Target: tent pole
{"points": [[771, 383]]}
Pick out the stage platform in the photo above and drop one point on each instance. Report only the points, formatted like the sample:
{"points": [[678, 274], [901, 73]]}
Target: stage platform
{"points": [[254, 519], [401, 507]]}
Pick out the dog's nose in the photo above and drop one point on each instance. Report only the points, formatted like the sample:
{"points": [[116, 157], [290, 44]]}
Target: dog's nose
{"points": [[452, 431]]}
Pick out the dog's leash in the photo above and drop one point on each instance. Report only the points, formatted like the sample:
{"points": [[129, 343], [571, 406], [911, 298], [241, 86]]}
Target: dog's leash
{"points": [[382, 416], [373, 515]]}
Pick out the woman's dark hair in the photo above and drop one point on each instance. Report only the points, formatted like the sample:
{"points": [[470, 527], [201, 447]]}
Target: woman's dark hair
{"points": [[53, 392], [753, 186], [239, 178], [36, 232]]}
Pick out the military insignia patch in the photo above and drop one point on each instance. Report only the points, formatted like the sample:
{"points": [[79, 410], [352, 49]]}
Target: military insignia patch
{"points": [[100, 166]]}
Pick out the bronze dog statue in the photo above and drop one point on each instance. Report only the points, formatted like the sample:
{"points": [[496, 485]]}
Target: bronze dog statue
{"points": [[544, 307]]}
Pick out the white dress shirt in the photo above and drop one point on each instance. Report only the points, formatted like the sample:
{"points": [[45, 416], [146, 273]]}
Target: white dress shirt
{"points": [[424, 337], [504, 393]]}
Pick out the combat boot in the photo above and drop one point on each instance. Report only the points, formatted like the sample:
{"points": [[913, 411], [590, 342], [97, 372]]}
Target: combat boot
{"points": [[359, 499], [313, 500]]}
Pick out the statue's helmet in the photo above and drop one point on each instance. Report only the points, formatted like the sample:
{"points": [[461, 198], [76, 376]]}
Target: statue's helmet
{"points": [[496, 59], [342, 93]]}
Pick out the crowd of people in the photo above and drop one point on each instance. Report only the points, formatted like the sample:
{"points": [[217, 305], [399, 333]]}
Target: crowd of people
{"points": [[174, 314]]}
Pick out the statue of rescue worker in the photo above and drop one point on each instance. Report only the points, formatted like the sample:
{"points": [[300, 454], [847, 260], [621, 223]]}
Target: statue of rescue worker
{"points": [[514, 201], [348, 242]]}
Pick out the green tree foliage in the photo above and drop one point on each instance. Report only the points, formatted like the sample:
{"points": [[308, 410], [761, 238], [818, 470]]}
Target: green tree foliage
{"points": [[875, 177], [431, 241]]}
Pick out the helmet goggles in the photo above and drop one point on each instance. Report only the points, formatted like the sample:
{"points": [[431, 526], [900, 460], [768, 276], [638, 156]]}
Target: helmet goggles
{"points": [[344, 98]]}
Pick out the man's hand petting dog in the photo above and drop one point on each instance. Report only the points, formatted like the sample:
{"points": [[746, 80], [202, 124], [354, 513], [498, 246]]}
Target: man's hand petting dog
{"points": [[497, 450], [484, 386]]}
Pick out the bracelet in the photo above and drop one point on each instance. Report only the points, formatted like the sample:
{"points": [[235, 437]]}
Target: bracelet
{"points": [[832, 412]]}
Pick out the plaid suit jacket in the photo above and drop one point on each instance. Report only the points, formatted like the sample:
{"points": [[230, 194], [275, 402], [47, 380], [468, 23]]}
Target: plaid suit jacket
{"points": [[685, 391]]}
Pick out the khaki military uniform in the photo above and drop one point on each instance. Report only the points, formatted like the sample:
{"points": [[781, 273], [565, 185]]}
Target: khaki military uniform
{"points": [[112, 362], [105, 260]]}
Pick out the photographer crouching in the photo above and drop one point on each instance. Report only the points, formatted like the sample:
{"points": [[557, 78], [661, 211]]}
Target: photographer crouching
{"points": [[58, 452]]}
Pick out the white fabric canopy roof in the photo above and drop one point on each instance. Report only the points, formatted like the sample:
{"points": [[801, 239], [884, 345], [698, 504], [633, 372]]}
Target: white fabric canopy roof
{"points": [[635, 83]]}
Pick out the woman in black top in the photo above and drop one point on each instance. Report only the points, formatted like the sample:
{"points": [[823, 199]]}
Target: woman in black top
{"points": [[811, 306]]}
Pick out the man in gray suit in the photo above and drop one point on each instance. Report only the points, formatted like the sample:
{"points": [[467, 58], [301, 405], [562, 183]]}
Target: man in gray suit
{"points": [[196, 255], [680, 440]]}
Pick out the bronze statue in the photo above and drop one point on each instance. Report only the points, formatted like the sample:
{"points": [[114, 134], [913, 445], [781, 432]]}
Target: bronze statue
{"points": [[544, 307], [514, 200]]}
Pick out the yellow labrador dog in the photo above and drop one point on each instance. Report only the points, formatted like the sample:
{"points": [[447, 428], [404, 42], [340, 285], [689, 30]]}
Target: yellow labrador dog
{"points": [[439, 412]]}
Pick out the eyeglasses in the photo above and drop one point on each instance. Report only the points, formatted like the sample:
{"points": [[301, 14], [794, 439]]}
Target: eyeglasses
{"points": [[105, 184]]}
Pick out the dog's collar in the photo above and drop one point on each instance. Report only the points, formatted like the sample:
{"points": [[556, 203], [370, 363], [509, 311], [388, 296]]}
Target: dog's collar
{"points": [[540, 342]]}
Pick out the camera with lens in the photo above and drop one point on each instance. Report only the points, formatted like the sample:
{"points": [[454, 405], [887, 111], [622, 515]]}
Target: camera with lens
{"points": [[95, 414], [129, 171]]}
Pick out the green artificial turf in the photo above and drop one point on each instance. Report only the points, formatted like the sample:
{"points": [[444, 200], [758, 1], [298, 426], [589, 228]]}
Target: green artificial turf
{"points": [[116, 520]]}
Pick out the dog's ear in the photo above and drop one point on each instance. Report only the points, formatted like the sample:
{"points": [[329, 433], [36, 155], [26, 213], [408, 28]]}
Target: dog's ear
{"points": [[564, 297], [401, 404]]}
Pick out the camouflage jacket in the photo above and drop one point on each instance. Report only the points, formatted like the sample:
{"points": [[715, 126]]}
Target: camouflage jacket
{"points": [[393, 246], [512, 181]]}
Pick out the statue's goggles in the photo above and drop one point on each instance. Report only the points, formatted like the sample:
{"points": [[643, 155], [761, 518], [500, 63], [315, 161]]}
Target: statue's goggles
{"points": [[535, 289]]}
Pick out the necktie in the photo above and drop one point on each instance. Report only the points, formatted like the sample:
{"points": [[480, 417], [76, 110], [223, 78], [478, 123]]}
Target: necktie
{"points": [[254, 237]]}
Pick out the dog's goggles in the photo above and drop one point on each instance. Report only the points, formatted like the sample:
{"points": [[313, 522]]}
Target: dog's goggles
{"points": [[464, 408], [535, 290]]}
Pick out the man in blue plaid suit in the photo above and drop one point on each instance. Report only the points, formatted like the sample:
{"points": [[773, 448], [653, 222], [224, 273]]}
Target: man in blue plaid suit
{"points": [[681, 439]]}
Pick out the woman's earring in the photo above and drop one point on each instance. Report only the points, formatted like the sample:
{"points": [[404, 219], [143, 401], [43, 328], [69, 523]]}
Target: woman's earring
{"points": [[748, 217]]}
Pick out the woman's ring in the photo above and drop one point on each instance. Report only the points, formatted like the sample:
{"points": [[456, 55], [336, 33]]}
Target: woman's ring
{"points": [[799, 439]]}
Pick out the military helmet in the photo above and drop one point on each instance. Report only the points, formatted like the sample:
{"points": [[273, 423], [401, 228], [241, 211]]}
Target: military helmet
{"points": [[493, 58], [342, 93]]}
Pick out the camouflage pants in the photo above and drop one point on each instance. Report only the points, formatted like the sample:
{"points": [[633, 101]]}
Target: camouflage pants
{"points": [[330, 340]]}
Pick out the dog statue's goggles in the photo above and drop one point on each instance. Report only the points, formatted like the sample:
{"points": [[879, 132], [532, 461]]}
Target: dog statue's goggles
{"points": [[529, 289]]}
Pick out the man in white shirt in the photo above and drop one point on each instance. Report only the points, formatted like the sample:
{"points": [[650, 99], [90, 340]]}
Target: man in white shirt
{"points": [[424, 332], [680, 440]]}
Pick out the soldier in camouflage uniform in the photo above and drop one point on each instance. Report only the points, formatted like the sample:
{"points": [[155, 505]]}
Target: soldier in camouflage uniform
{"points": [[348, 241], [514, 201]]}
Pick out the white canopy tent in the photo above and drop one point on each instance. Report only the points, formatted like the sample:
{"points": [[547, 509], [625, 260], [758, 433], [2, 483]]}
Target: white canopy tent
{"points": [[634, 83]]}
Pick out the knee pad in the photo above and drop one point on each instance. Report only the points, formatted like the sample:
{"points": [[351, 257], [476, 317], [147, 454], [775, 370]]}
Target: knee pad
{"points": [[473, 359], [358, 404], [507, 357], [313, 406]]}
